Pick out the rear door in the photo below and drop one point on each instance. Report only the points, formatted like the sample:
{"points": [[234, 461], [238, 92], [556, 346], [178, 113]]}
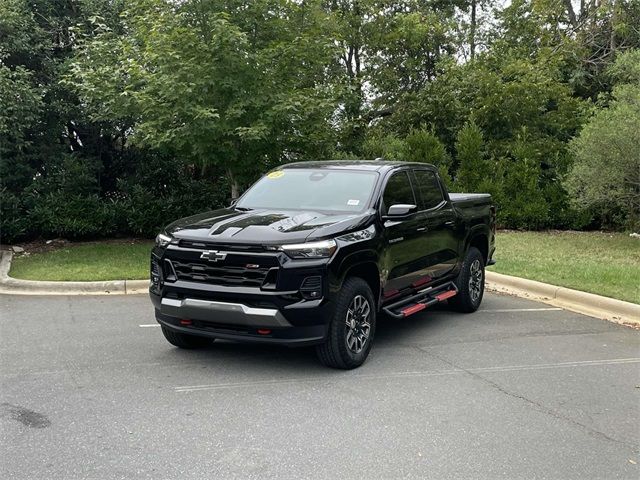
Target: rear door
{"points": [[438, 225], [404, 238]]}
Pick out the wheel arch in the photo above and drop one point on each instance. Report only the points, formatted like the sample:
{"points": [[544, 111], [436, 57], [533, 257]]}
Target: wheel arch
{"points": [[480, 240], [369, 272]]}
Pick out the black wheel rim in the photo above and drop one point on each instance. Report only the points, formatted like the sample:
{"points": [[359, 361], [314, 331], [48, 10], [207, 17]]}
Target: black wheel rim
{"points": [[358, 324], [475, 281]]}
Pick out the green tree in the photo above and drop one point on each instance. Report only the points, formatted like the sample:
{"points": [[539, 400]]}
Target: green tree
{"points": [[240, 93], [470, 152], [422, 145], [606, 175]]}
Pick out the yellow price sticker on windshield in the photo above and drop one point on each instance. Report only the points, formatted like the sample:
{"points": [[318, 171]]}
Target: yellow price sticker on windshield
{"points": [[276, 174]]}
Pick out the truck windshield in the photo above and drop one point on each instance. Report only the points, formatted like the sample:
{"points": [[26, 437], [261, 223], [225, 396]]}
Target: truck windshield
{"points": [[311, 189]]}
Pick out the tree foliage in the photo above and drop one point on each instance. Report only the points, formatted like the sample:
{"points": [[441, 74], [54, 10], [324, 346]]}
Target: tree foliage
{"points": [[606, 175], [236, 92], [117, 116]]}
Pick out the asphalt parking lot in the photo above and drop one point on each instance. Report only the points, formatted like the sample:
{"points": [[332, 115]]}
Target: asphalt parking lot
{"points": [[90, 389]]}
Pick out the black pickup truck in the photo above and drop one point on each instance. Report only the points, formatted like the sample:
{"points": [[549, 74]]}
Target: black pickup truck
{"points": [[313, 252]]}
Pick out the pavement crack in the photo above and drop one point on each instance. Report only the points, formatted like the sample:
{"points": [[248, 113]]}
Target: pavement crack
{"points": [[531, 403]]}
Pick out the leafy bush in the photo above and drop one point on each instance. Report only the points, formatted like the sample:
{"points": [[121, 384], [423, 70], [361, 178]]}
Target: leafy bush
{"points": [[14, 220], [419, 145], [605, 178], [422, 145], [65, 201], [72, 216], [473, 169], [162, 189]]}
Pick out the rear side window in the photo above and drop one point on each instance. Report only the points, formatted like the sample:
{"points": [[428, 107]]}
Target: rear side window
{"points": [[429, 188], [398, 190]]}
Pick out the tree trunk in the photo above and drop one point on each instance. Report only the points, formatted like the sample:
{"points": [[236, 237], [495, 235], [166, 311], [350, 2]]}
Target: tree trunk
{"points": [[472, 33], [235, 186], [571, 13], [614, 21]]}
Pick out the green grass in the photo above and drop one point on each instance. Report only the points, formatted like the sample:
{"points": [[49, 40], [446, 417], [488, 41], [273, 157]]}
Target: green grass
{"points": [[603, 263], [86, 262]]}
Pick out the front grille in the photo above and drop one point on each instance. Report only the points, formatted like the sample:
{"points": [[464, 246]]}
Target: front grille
{"points": [[231, 275]]}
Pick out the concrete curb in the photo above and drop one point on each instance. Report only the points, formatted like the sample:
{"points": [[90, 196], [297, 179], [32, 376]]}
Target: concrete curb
{"points": [[597, 306], [617, 311], [32, 287]]}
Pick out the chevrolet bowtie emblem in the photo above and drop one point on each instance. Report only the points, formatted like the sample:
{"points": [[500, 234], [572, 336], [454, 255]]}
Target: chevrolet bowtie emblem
{"points": [[213, 255]]}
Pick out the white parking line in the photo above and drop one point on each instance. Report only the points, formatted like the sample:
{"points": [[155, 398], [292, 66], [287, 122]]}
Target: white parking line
{"points": [[150, 325], [434, 373], [507, 310]]}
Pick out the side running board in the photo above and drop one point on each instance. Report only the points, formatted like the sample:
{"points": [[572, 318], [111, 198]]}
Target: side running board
{"points": [[421, 300]]}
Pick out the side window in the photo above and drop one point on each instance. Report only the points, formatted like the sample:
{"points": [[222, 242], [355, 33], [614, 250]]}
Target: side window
{"points": [[398, 190], [429, 188]]}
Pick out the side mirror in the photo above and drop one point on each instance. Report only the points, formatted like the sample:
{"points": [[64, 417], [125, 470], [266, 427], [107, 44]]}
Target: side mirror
{"points": [[400, 210]]}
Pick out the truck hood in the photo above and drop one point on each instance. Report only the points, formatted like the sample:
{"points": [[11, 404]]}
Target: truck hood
{"points": [[265, 226]]}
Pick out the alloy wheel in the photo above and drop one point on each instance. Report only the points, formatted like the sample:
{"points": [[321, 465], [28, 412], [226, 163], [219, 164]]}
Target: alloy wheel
{"points": [[358, 324], [475, 281]]}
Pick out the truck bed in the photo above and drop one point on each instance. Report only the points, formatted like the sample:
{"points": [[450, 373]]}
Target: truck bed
{"points": [[470, 199]]}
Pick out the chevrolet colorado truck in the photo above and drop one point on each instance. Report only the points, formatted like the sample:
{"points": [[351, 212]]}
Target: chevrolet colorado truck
{"points": [[314, 252]]}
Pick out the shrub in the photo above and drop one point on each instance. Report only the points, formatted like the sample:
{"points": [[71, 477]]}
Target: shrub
{"points": [[605, 178], [473, 169], [65, 200], [14, 220], [161, 189]]}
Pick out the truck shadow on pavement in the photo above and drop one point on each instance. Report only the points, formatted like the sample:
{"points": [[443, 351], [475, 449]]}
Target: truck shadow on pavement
{"points": [[390, 333]]}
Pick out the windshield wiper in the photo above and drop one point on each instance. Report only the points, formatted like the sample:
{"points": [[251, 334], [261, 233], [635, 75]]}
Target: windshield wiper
{"points": [[243, 209]]}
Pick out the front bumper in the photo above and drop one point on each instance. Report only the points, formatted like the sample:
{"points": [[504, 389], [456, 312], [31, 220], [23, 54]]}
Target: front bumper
{"points": [[230, 313], [300, 324]]}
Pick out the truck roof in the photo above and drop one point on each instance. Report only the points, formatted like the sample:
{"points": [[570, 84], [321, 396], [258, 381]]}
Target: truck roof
{"points": [[379, 165]]}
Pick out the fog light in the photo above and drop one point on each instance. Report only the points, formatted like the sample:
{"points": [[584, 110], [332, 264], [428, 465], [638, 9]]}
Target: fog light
{"points": [[311, 288]]}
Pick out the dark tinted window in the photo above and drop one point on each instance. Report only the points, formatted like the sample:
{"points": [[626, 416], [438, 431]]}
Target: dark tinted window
{"points": [[398, 190], [429, 188]]}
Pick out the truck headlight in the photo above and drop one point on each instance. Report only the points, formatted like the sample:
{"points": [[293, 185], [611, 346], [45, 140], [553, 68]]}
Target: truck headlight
{"points": [[320, 249], [162, 240]]}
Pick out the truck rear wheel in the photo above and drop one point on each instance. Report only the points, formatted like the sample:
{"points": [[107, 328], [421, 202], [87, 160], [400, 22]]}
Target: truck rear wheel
{"points": [[352, 327], [183, 340], [470, 283]]}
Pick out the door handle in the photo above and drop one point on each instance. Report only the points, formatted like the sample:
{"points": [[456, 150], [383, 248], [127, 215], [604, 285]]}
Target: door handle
{"points": [[450, 223], [421, 229]]}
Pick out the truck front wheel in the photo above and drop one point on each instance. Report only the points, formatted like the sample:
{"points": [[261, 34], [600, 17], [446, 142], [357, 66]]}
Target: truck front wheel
{"points": [[470, 283], [352, 327], [183, 340]]}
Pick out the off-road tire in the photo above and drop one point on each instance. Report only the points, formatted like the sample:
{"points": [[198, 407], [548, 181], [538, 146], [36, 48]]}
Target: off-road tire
{"points": [[335, 352], [469, 295], [183, 340]]}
